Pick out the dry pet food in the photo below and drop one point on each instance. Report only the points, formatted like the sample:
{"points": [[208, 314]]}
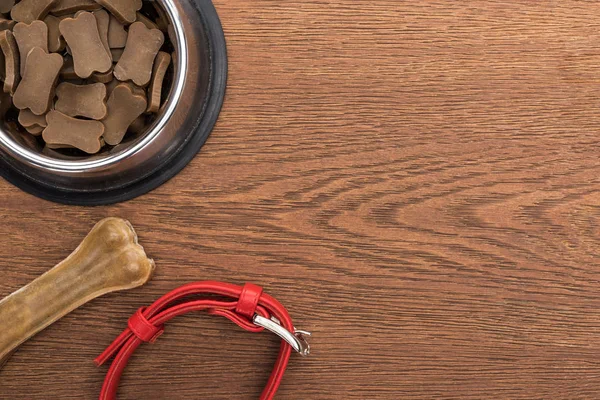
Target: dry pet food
{"points": [[28, 119], [124, 106], [10, 52], [36, 89], [158, 74], [29, 36], [82, 134], [117, 35], [140, 51], [56, 42], [29, 10], [83, 38], [79, 75], [66, 7], [81, 100], [124, 10]]}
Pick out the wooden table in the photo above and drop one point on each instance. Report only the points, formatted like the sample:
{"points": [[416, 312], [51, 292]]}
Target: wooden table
{"points": [[417, 181]]}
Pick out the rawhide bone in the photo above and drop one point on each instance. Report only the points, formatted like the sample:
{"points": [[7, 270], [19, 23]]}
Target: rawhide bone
{"points": [[109, 259]]}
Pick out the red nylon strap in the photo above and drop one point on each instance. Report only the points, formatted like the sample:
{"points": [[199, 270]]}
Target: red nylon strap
{"points": [[142, 328], [248, 300], [147, 324]]}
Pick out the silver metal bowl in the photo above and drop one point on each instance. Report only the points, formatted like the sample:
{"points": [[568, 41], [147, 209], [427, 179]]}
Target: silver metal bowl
{"points": [[141, 163]]}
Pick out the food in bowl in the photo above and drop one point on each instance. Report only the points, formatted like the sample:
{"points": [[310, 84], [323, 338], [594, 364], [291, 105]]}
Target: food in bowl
{"points": [[79, 76]]}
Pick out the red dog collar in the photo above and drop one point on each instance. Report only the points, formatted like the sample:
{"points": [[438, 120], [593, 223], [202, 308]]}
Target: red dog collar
{"points": [[253, 310]]}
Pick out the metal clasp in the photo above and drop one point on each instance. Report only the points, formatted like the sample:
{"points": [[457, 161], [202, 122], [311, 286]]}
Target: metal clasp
{"points": [[297, 339]]}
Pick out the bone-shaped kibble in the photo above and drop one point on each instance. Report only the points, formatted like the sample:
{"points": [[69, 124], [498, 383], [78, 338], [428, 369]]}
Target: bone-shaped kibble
{"points": [[139, 125], [56, 42], [83, 38], [29, 10], [117, 35], [36, 89], [158, 74], [35, 130], [28, 119], [29, 36], [124, 106], [103, 19], [110, 86], [68, 69], [6, 5], [140, 51], [108, 260], [66, 7], [146, 21], [162, 21], [102, 78], [7, 24], [81, 100], [80, 133], [10, 51], [116, 54], [124, 10]]}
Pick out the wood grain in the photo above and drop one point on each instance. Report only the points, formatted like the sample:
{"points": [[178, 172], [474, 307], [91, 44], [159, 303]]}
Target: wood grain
{"points": [[417, 181]]}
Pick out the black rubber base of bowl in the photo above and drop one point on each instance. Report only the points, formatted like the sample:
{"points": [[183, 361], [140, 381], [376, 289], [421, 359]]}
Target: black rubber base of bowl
{"points": [[174, 164]]}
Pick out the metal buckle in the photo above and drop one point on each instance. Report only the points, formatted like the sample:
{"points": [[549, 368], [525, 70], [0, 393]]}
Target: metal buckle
{"points": [[297, 339]]}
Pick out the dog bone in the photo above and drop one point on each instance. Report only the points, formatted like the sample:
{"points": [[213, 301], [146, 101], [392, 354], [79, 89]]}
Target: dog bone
{"points": [[103, 19], [155, 91], [83, 38], [81, 100], [35, 130], [29, 10], [109, 259], [110, 86], [162, 21], [116, 54], [117, 35], [28, 119], [79, 133], [103, 78], [36, 89], [124, 10], [29, 36], [139, 125], [65, 7], [56, 42], [68, 69], [140, 51], [10, 52], [146, 21], [6, 5], [124, 106], [7, 24]]}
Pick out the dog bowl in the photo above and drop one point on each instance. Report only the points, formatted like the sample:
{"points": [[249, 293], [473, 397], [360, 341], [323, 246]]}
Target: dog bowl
{"points": [[143, 162]]}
